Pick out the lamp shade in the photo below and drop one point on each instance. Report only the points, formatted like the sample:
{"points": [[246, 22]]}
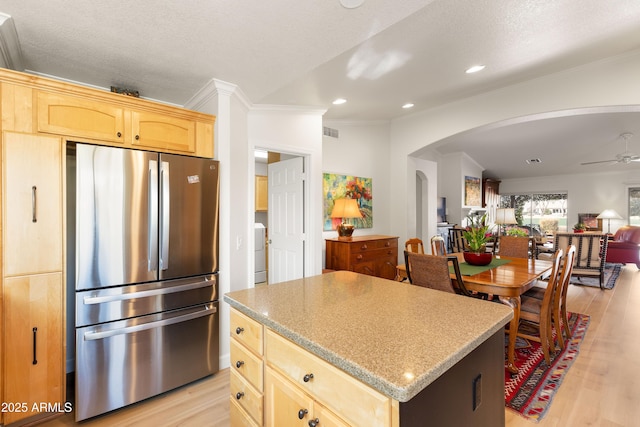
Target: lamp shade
{"points": [[609, 214], [346, 208], [505, 216]]}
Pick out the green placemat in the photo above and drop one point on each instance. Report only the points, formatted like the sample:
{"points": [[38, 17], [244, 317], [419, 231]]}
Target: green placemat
{"points": [[470, 270]]}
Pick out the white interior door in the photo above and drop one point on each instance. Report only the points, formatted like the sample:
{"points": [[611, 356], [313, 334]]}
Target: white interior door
{"points": [[286, 220]]}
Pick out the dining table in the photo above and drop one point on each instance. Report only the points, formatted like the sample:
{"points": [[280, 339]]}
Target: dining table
{"points": [[505, 278]]}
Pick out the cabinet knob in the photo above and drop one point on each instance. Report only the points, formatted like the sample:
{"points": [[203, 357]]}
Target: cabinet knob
{"points": [[119, 134], [359, 257], [314, 423], [239, 330], [387, 244], [364, 246], [239, 363], [137, 137], [302, 413], [239, 395], [307, 378]]}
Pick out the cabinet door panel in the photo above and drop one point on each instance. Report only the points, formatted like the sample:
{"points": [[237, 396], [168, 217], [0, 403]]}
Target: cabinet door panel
{"points": [[71, 116], [163, 132], [33, 370], [32, 203], [285, 402]]}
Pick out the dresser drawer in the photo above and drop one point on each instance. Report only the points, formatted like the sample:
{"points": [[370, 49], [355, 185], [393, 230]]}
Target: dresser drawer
{"points": [[247, 331], [372, 255], [247, 364], [343, 394], [248, 397], [372, 245]]}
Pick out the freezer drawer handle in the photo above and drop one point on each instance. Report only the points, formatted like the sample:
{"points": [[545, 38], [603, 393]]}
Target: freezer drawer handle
{"points": [[91, 336], [144, 294], [35, 340]]}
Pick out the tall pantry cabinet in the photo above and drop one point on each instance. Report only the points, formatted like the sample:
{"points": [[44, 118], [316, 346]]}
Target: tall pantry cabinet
{"points": [[39, 116]]}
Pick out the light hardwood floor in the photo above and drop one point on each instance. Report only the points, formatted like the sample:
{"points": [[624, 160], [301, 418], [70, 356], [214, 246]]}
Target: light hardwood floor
{"points": [[602, 387]]}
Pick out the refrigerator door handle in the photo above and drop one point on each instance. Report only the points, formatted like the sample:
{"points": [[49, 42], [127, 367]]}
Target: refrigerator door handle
{"points": [[152, 249], [164, 215], [206, 311]]}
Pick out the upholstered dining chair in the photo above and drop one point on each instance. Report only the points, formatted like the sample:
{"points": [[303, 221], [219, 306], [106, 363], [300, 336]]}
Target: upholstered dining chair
{"points": [[560, 316], [514, 246], [438, 245], [432, 271], [538, 313], [414, 245]]}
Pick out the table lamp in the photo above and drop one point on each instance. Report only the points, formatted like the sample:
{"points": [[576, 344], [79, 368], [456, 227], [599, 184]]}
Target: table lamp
{"points": [[609, 214], [505, 216], [345, 208]]}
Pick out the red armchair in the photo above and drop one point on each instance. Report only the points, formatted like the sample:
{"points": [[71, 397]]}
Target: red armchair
{"points": [[625, 246]]}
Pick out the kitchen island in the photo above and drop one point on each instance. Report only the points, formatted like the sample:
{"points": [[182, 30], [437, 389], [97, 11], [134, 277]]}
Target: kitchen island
{"points": [[349, 349]]}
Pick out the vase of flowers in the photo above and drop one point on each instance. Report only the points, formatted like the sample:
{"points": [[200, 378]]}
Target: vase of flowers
{"points": [[477, 234]]}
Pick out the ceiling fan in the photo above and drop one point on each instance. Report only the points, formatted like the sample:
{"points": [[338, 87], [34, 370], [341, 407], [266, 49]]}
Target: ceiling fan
{"points": [[626, 157]]}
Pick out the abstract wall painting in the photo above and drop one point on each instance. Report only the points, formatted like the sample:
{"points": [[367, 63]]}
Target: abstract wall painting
{"points": [[336, 186]]}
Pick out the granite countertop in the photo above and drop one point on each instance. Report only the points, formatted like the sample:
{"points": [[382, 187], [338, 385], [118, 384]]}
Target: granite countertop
{"points": [[396, 337]]}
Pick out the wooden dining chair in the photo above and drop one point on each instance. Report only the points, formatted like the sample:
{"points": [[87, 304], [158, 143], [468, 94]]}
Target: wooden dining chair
{"points": [[513, 246], [414, 245], [538, 313], [438, 246], [432, 271], [560, 316]]}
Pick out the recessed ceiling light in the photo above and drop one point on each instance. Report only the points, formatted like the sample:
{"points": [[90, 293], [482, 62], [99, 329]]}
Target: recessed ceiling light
{"points": [[351, 4], [475, 69], [339, 101], [407, 105]]}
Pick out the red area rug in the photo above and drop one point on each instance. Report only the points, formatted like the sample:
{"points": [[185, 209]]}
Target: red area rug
{"points": [[531, 391]]}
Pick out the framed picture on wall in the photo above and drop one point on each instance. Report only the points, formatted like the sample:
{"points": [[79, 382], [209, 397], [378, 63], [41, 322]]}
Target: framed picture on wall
{"points": [[472, 191], [336, 186], [590, 220]]}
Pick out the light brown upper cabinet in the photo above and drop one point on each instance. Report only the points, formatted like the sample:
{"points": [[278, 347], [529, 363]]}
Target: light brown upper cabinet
{"points": [[262, 197]]}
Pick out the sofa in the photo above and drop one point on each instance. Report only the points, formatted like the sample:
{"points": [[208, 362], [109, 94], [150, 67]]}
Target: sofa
{"points": [[625, 246]]}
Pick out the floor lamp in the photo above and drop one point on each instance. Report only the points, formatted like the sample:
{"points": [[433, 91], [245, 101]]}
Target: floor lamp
{"points": [[505, 216], [609, 214]]}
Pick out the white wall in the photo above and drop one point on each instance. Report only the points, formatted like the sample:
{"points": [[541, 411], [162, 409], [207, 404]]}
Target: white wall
{"points": [[613, 82]]}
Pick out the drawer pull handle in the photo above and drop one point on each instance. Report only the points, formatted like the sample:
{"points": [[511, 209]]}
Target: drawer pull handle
{"points": [[307, 378], [387, 244], [137, 137], [239, 330], [119, 134], [35, 339], [359, 257], [364, 247], [239, 363], [239, 395], [314, 423], [302, 413]]}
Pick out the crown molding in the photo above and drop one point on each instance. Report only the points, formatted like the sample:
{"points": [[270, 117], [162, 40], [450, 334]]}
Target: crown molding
{"points": [[10, 51]]}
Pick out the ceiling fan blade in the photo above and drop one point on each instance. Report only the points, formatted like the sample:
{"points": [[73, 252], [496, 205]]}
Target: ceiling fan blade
{"points": [[601, 161]]}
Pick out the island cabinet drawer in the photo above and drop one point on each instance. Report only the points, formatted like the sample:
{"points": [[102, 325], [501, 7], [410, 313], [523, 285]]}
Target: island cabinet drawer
{"points": [[250, 399], [347, 397], [238, 417], [247, 364], [247, 331]]}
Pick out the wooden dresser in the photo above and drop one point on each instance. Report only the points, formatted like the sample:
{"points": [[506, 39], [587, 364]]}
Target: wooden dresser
{"points": [[374, 255]]}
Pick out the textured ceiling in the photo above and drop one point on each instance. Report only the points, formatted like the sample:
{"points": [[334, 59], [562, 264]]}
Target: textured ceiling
{"points": [[378, 56]]}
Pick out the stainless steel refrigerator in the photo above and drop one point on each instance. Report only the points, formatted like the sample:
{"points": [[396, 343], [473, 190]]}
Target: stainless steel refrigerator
{"points": [[143, 245]]}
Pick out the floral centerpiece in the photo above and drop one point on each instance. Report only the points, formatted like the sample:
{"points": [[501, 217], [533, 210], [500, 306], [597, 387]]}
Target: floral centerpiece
{"points": [[477, 234]]}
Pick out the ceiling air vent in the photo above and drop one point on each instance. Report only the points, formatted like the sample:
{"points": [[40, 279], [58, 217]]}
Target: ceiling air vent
{"points": [[326, 131], [533, 161]]}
